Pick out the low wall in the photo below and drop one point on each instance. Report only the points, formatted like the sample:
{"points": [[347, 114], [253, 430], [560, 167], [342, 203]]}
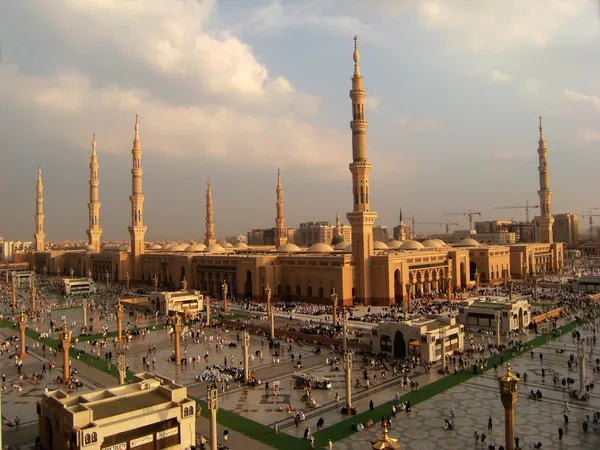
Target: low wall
{"points": [[548, 315]]}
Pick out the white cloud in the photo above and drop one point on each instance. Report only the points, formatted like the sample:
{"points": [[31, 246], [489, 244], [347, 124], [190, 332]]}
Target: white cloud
{"points": [[588, 135], [498, 76], [416, 125], [372, 102], [579, 97], [514, 153]]}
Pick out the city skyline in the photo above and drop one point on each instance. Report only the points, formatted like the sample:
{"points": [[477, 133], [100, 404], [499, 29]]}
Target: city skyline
{"points": [[249, 116]]}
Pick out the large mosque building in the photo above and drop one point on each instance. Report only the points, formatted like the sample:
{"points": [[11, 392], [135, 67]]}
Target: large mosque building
{"points": [[362, 271]]}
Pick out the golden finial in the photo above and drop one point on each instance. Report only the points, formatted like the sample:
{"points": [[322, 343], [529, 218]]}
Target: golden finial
{"points": [[541, 128], [39, 172], [356, 55], [94, 143], [208, 184], [137, 126]]}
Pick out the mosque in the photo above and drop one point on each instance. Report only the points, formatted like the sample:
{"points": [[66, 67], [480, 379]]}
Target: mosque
{"points": [[362, 271]]}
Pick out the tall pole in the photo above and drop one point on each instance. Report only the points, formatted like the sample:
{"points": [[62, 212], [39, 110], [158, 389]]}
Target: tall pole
{"points": [[22, 327], [348, 377], [268, 296], [33, 298], [334, 300], [344, 331], [121, 367], [213, 406], [508, 394], [207, 299], [581, 358], [246, 347], [225, 289], [449, 279], [119, 310], [442, 345], [510, 289], [127, 279], [176, 323], [497, 317], [13, 290], [84, 308], [65, 338], [272, 323]]}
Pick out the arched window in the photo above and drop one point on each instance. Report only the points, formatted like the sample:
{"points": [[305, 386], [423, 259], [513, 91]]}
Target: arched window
{"points": [[321, 292], [94, 437], [88, 439]]}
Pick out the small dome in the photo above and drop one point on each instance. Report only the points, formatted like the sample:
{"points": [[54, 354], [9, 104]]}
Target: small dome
{"points": [[348, 248], [240, 245], [226, 245], [167, 247], [156, 247], [431, 243], [340, 246], [393, 244], [378, 245], [195, 248], [467, 242], [320, 247], [288, 248], [214, 248], [442, 243], [411, 245], [179, 247]]}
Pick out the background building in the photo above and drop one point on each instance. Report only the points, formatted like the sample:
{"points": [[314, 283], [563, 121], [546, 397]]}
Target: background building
{"points": [[566, 228]]}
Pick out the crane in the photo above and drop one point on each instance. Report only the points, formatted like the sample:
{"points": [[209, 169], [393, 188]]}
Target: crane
{"points": [[591, 216], [527, 207], [441, 224], [469, 214], [412, 219]]}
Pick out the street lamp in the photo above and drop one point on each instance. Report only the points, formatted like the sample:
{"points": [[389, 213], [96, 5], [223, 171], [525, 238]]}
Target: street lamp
{"points": [[509, 386]]}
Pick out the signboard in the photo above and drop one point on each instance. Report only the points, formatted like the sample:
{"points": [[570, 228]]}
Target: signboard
{"points": [[166, 433], [121, 446], [141, 441]]}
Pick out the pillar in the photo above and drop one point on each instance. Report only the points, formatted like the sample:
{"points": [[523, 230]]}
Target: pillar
{"points": [[348, 377], [344, 331], [334, 300], [176, 323], [207, 299], [84, 307], [213, 406], [246, 347], [119, 310], [442, 346], [268, 296], [225, 289], [33, 295], [13, 288], [497, 315], [22, 327], [121, 367], [508, 395], [65, 338], [581, 359], [272, 323]]}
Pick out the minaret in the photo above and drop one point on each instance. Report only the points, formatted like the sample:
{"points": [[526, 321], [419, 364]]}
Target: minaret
{"points": [[544, 222], [280, 234], [94, 231], [401, 228], [210, 226], [361, 218], [338, 225], [137, 230], [39, 214]]}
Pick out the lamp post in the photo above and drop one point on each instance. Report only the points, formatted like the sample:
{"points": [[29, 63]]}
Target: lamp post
{"points": [[268, 296], [121, 367], [207, 299], [119, 308], [22, 327], [225, 290], [334, 299], [581, 359], [348, 377], [84, 308], [509, 386], [13, 292], [497, 316], [33, 298], [176, 324], [449, 287], [213, 406], [344, 330], [246, 348], [272, 311], [535, 286], [510, 289], [65, 339]]}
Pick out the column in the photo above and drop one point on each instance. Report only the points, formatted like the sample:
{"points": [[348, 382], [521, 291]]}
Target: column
{"points": [[176, 323], [207, 300], [508, 395], [510, 290], [84, 307], [127, 279], [348, 377], [33, 296], [334, 300], [121, 367], [442, 346], [268, 296], [344, 331], [119, 310], [581, 359], [65, 339], [225, 289], [13, 288], [246, 347], [22, 327], [213, 406], [497, 315], [272, 323], [155, 281], [449, 287]]}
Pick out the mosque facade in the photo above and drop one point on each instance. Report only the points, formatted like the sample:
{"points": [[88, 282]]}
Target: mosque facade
{"points": [[361, 271]]}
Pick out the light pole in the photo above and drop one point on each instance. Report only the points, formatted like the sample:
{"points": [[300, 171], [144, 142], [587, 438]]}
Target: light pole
{"points": [[509, 386], [246, 347], [13, 291], [84, 307], [344, 330], [581, 359], [65, 339], [176, 324], [272, 323], [497, 316], [107, 276], [449, 287], [213, 406], [225, 289], [268, 296], [22, 327], [334, 299], [348, 373], [510, 289]]}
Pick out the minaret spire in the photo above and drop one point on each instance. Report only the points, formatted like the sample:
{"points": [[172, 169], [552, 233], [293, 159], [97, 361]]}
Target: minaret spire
{"points": [[210, 226], [137, 230], [39, 214], [543, 223], [280, 233], [94, 231], [401, 219], [361, 218]]}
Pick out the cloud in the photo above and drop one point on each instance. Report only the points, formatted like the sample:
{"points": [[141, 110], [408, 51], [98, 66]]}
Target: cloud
{"points": [[497, 76], [416, 125], [588, 135], [531, 86], [372, 102], [514, 153], [579, 97]]}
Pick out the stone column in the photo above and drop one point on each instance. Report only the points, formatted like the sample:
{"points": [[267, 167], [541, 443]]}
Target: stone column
{"points": [[581, 360], [177, 324], [13, 289], [443, 345], [344, 331], [207, 300], [213, 406], [272, 323], [22, 327], [33, 298], [65, 339], [246, 347], [268, 296], [225, 289], [121, 367], [334, 300], [497, 316], [84, 308], [119, 310], [449, 287], [348, 377], [508, 394]]}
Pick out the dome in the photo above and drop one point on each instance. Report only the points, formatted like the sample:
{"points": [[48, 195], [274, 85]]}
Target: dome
{"points": [[393, 244], [167, 247], [195, 248], [240, 245], [378, 245], [288, 248], [226, 245], [213, 248], [431, 243], [348, 248], [178, 248], [467, 242], [156, 247], [340, 246], [320, 247], [411, 245], [442, 243]]}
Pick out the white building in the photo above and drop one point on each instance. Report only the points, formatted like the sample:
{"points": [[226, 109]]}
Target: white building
{"points": [[187, 302], [480, 314], [586, 283], [420, 337], [79, 286]]}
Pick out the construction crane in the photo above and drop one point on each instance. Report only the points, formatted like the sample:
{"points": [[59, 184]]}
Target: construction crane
{"points": [[591, 216], [412, 230], [527, 207], [441, 224], [469, 214]]}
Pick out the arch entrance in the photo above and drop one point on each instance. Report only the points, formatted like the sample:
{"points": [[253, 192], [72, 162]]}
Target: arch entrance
{"points": [[397, 287], [248, 285], [399, 345]]}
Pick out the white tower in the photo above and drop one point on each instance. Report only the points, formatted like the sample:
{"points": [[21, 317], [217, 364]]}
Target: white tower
{"points": [[137, 230], [94, 231], [280, 234], [39, 214], [543, 223]]}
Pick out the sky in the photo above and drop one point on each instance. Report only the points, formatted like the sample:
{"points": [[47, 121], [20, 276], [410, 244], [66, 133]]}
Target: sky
{"points": [[235, 89]]}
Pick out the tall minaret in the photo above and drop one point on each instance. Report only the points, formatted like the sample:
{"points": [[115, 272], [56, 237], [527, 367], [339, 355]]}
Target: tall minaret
{"points": [[338, 225], [39, 214], [280, 234], [401, 228], [210, 226], [137, 230], [94, 231], [544, 222], [361, 218]]}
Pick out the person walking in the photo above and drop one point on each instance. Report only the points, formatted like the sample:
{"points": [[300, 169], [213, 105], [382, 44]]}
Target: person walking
{"points": [[225, 434], [330, 444], [490, 424], [560, 433]]}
